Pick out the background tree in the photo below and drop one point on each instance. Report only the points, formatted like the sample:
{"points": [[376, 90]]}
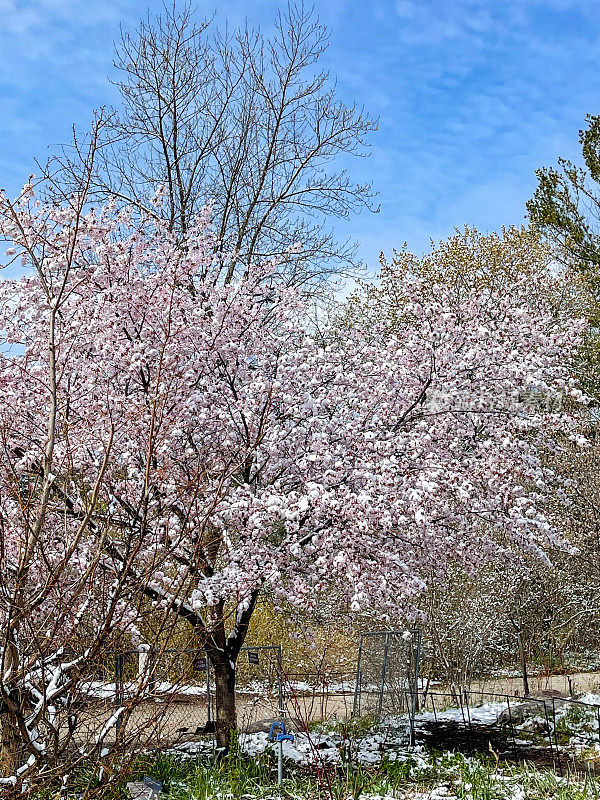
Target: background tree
{"points": [[566, 209], [566, 206], [475, 621], [465, 262], [244, 122]]}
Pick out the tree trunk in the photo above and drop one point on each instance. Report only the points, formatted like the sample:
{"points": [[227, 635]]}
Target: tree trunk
{"points": [[10, 749], [225, 716]]}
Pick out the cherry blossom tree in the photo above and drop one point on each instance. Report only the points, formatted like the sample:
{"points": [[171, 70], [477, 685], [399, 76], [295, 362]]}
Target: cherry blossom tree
{"points": [[176, 444], [505, 608]]}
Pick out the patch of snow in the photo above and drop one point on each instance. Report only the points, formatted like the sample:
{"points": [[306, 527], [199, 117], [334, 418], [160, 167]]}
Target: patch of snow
{"points": [[486, 714]]}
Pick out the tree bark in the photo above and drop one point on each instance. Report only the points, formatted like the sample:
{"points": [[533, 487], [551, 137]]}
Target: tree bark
{"points": [[10, 749], [226, 716], [223, 652]]}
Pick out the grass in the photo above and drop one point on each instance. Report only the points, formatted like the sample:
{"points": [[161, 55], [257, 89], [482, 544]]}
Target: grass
{"points": [[524, 782], [451, 775]]}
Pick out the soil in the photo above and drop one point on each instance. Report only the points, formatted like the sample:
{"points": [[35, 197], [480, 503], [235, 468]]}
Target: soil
{"points": [[477, 738]]}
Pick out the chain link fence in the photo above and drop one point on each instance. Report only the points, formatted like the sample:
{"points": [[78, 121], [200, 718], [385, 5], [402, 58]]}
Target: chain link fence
{"points": [[387, 674], [321, 695], [169, 695], [166, 697], [260, 685]]}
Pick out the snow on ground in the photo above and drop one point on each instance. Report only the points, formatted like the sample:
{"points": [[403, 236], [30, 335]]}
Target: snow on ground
{"points": [[577, 722], [349, 686], [107, 691], [591, 699], [344, 687], [323, 747], [486, 714]]}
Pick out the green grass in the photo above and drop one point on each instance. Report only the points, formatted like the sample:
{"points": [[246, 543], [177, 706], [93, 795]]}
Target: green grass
{"points": [[466, 778], [353, 728], [578, 720], [406, 776]]}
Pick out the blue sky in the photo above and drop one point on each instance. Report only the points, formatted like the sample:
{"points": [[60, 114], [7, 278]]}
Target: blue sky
{"points": [[472, 95]]}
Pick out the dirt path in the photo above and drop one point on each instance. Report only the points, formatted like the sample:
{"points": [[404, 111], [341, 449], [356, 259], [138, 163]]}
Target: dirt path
{"points": [[580, 682]]}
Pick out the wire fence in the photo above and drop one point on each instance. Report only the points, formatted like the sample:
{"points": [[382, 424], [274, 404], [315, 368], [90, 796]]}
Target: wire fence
{"points": [[169, 695], [556, 729], [172, 692], [168, 699], [319, 695], [387, 673]]}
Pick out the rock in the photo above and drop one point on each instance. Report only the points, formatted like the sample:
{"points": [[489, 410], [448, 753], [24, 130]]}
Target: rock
{"points": [[264, 725], [325, 745], [536, 725], [532, 708]]}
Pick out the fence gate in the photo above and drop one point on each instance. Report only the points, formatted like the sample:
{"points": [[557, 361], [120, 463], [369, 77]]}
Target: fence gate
{"points": [[387, 673]]}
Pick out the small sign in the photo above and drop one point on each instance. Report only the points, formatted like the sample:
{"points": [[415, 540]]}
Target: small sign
{"points": [[153, 784], [148, 789], [199, 664], [253, 657]]}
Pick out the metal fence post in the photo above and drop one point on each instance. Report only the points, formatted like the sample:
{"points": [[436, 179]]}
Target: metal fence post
{"points": [[411, 722], [462, 708], [280, 682], [511, 726], [357, 684], [118, 686], [550, 737], [416, 668], [469, 717], [555, 737], [383, 671], [208, 710]]}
